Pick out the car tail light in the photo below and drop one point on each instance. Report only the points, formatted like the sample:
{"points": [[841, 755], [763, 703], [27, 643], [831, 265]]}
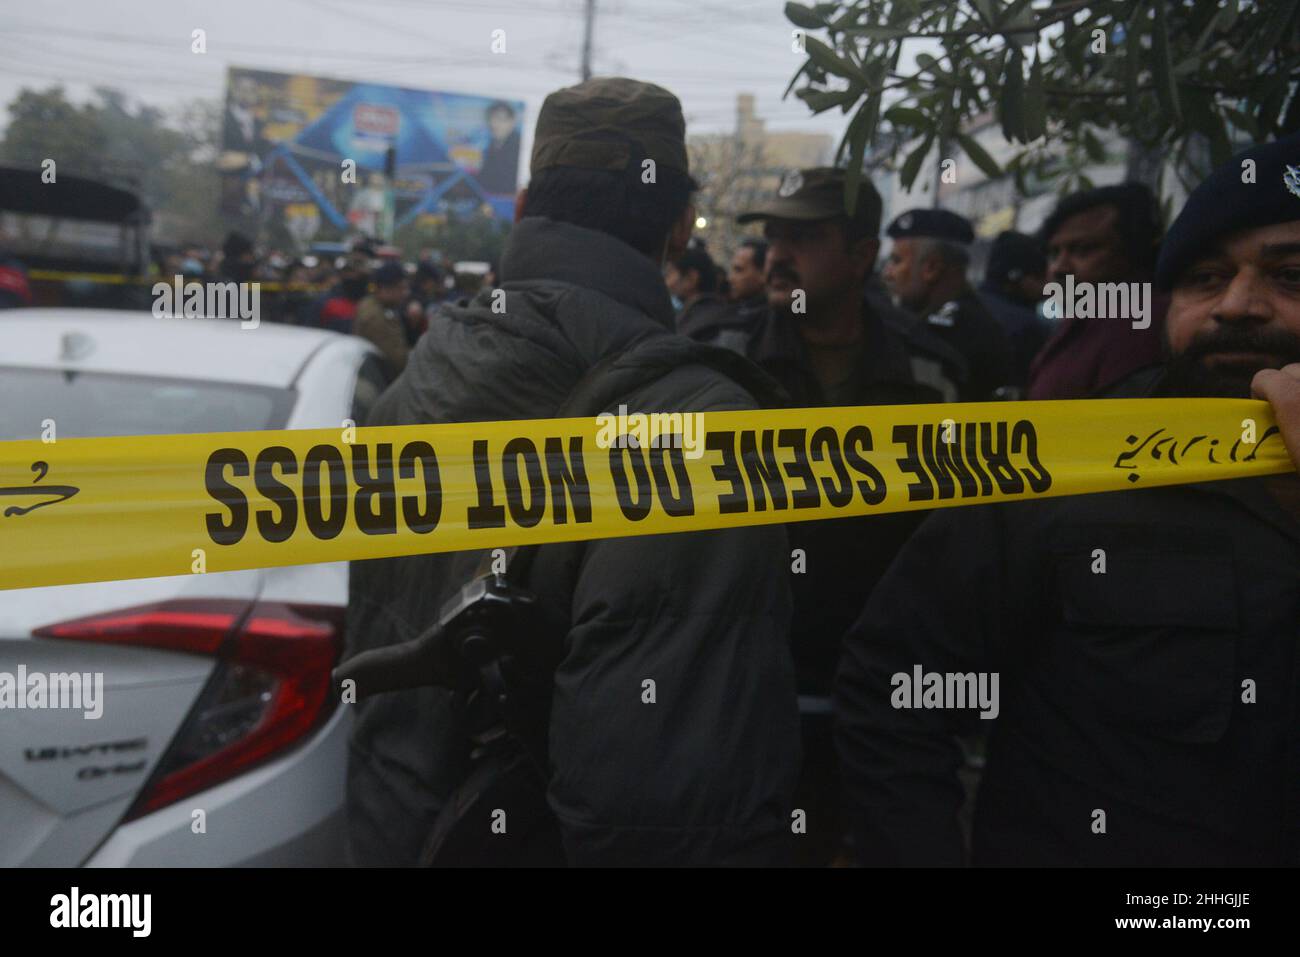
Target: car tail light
{"points": [[270, 689]]}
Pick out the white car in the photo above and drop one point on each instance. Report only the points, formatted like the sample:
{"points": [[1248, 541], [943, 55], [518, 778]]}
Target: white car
{"points": [[200, 758]]}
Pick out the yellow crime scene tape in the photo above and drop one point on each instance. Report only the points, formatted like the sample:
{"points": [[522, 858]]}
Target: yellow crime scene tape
{"points": [[102, 509], [118, 279]]}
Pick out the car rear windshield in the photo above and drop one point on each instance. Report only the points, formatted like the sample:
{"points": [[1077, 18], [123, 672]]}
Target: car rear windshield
{"points": [[94, 404]]}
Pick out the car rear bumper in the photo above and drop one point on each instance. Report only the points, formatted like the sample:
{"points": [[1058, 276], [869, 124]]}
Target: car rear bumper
{"points": [[288, 813]]}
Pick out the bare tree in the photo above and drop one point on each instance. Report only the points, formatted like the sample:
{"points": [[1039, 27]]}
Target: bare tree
{"points": [[733, 176]]}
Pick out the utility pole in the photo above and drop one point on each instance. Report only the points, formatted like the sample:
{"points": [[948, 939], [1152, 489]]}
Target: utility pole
{"points": [[586, 38]]}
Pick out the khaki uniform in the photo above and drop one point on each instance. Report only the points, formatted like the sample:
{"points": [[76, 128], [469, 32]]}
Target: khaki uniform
{"points": [[383, 326]]}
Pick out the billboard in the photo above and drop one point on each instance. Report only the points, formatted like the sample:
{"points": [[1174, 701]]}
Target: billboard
{"points": [[309, 154]]}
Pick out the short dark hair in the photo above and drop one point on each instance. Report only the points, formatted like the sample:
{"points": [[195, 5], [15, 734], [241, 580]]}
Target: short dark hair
{"points": [[702, 263], [1139, 226], [500, 106], [614, 202], [759, 249]]}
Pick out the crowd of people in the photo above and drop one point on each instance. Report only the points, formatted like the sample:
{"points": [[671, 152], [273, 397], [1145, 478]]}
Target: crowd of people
{"points": [[840, 319], [962, 342], [367, 290], [995, 339], [1157, 698], [1121, 693]]}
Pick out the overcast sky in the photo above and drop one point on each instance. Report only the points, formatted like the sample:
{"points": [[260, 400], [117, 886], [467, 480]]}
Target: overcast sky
{"points": [[705, 51]]}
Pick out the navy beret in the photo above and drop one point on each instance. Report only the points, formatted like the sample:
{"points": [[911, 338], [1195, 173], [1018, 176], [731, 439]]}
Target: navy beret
{"points": [[1223, 204], [932, 224]]}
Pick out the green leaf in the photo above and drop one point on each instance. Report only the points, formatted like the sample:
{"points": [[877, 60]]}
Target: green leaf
{"points": [[879, 32], [875, 71], [852, 95], [857, 135], [826, 58], [987, 10], [978, 156], [1228, 15], [1210, 28], [904, 115], [1275, 28], [820, 101], [1162, 66], [903, 11], [795, 79], [1019, 26], [873, 123], [931, 65], [1017, 167], [842, 23], [1074, 43], [1011, 104], [912, 165], [1094, 147], [803, 17], [1035, 102]]}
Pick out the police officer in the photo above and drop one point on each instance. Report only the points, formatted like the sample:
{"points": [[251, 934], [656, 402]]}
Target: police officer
{"points": [[830, 340], [827, 338], [379, 316], [926, 273], [1145, 640]]}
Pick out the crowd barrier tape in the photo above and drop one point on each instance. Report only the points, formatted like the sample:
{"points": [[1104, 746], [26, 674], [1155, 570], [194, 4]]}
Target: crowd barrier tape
{"points": [[119, 279], [102, 509]]}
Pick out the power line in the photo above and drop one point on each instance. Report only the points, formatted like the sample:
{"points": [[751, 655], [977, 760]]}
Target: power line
{"points": [[588, 25], [466, 60]]}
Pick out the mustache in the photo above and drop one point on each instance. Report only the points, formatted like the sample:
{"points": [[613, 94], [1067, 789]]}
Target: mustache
{"points": [[1271, 340]]}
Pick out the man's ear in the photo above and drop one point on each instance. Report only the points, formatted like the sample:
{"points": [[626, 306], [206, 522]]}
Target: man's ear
{"points": [[521, 198], [680, 235]]}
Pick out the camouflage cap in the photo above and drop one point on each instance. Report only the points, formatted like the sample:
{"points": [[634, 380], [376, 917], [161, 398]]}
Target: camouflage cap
{"points": [[610, 123], [813, 194]]}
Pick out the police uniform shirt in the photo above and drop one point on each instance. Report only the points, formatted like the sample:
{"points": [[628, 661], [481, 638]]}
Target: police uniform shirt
{"points": [[966, 325]]}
